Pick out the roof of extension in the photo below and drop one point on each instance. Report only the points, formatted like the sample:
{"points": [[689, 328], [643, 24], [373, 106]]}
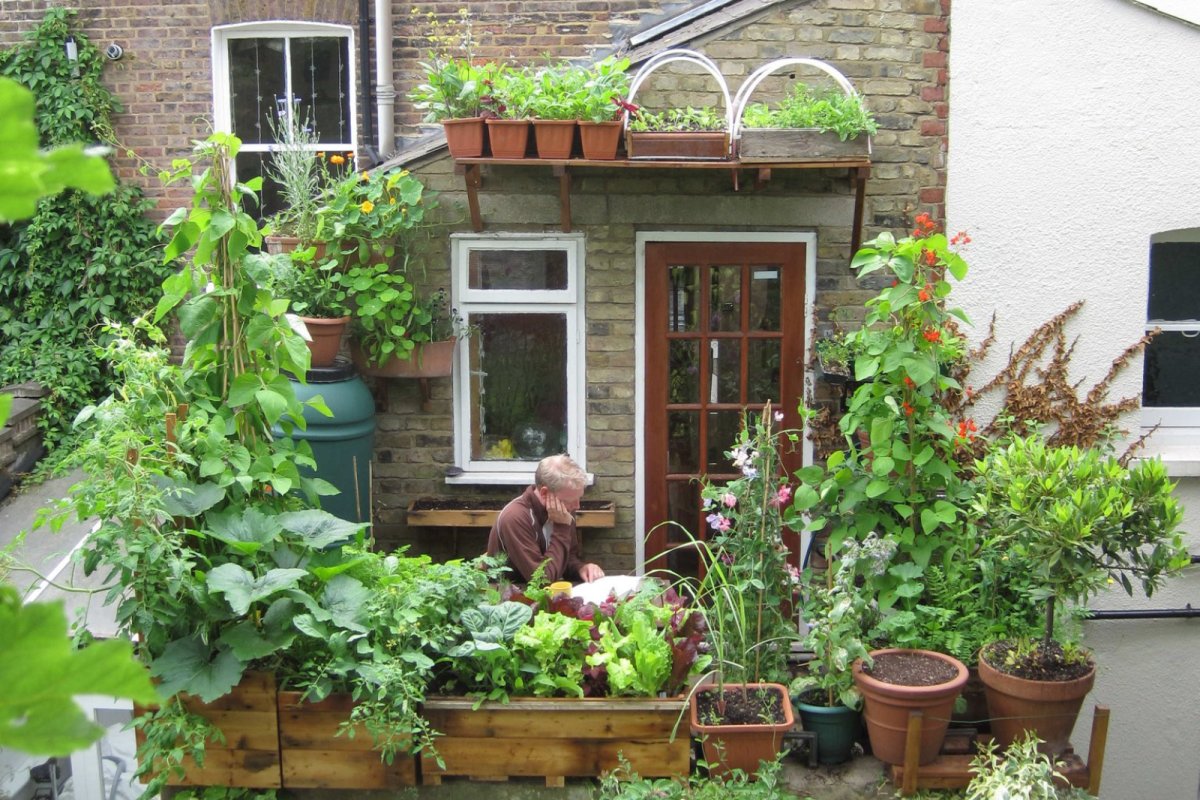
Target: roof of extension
{"points": [[658, 35]]}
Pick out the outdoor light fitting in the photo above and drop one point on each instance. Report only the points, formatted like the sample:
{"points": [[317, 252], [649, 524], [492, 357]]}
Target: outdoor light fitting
{"points": [[72, 55]]}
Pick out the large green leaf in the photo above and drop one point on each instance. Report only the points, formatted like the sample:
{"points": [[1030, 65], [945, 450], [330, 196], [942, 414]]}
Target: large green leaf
{"points": [[189, 665], [345, 598], [241, 588], [184, 499], [41, 673], [319, 528], [247, 532], [248, 641]]}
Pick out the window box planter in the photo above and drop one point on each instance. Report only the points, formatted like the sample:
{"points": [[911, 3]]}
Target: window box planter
{"points": [[313, 756], [759, 145], [428, 360], [453, 513], [682, 146], [554, 738], [249, 719]]}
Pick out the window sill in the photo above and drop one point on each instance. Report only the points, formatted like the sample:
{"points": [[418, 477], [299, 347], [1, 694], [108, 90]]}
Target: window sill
{"points": [[1179, 449], [480, 478]]}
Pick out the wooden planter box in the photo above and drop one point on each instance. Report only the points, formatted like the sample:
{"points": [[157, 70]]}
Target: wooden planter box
{"points": [[313, 756], [684, 146], [556, 738], [443, 513], [249, 719], [798, 144]]}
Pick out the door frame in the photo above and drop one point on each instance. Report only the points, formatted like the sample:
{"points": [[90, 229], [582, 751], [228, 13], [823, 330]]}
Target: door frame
{"points": [[806, 237]]}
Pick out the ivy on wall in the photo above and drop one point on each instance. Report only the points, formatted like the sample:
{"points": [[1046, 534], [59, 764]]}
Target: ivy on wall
{"points": [[80, 259]]}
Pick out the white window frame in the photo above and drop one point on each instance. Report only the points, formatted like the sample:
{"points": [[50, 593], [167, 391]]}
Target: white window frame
{"points": [[1180, 418], [569, 302], [222, 34]]}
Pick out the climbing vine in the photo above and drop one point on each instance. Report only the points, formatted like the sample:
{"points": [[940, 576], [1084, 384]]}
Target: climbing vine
{"points": [[80, 259]]}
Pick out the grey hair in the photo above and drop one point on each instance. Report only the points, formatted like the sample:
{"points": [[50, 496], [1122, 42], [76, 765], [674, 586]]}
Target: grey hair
{"points": [[558, 472]]}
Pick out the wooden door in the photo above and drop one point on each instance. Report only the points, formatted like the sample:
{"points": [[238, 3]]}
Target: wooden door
{"points": [[724, 334]]}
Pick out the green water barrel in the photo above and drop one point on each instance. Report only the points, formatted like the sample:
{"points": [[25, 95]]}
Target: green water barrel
{"points": [[344, 443]]}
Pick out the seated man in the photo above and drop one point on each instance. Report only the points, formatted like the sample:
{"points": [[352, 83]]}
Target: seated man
{"points": [[539, 526]]}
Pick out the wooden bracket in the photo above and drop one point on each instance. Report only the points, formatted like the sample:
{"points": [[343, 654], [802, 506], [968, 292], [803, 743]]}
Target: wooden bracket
{"points": [[474, 180], [859, 175], [762, 178]]}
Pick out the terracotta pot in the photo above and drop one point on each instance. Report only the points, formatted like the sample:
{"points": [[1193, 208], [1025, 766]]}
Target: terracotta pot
{"points": [[741, 746], [554, 137], [326, 335], [599, 140], [286, 244], [887, 706], [508, 137], [464, 137], [428, 360], [1048, 708]]}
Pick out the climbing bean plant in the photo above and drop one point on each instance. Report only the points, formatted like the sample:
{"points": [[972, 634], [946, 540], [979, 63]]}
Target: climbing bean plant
{"points": [[80, 259]]}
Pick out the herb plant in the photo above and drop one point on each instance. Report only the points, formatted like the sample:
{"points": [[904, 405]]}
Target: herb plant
{"points": [[675, 120], [833, 111]]}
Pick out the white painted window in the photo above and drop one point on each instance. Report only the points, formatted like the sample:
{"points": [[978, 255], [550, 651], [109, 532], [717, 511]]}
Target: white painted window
{"points": [[264, 69], [519, 388], [1171, 372]]}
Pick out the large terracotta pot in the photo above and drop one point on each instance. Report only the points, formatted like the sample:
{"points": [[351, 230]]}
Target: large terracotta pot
{"points": [[887, 706], [554, 137], [326, 338], [508, 137], [600, 140], [741, 746], [1048, 708], [428, 360], [464, 137]]}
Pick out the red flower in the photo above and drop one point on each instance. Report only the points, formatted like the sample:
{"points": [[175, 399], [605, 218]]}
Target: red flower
{"points": [[923, 296], [961, 238], [932, 335], [930, 258], [908, 382], [907, 408]]}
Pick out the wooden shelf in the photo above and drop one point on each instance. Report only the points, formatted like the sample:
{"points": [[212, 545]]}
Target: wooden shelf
{"points": [[484, 513], [471, 169]]}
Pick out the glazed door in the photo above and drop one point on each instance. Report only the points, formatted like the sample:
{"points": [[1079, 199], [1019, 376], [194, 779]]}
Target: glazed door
{"points": [[724, 333]]}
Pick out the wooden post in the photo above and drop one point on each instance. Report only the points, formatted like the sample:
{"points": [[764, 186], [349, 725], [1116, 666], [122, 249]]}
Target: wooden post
{"points": [[859, 175], [1096, 749], [912, 753]]}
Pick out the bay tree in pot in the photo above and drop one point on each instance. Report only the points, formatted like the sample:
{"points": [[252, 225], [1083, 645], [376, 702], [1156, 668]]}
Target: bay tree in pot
{"points": [[1082, 520]]}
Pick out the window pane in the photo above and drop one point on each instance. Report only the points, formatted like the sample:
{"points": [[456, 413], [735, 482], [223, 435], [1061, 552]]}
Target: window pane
{"points": [[517, 269], [683, 442], [723, 427], [254, 165], [684, 298], [256, 78], [518, 386], [1170, 371], [764, 299], [725, 377], [726, 299], [1174, 281], [320, 81], [764, 371], [684, 383]]}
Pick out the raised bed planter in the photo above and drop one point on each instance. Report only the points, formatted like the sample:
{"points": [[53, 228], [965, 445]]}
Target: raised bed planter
{"points": [[313, 756], [556, 738], [682, 146], [249, 719], [453, 513], [772, 145]]}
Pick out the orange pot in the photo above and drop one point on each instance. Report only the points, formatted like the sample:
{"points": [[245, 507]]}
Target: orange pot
{"points": [[599, 140], [508, 137], [555, 138], [326, 335], [464, 137], [741, 746], [1048, 708]]}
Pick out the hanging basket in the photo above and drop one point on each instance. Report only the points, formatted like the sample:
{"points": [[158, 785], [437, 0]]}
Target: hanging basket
{"points": [[759, 145], [675, 145]]}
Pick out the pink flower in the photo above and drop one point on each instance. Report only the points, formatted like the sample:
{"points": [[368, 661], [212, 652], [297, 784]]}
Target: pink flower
{"points": [[779, 416], [719, 523], [729, 499], [782, 496]]}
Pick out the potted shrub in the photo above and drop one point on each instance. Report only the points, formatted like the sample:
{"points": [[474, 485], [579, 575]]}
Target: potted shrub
{"points": [[838, 616], [556, 106], [507, 112], [1081, 520], [313, 288], [743, 712], [400, 334], [601, 107], [678, 133]]}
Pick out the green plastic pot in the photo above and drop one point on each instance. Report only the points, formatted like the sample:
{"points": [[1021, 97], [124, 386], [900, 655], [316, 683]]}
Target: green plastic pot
{"points": [[836, 728]]}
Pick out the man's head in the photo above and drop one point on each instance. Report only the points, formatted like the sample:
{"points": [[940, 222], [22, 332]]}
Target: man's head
{"points": [[562, 477]]}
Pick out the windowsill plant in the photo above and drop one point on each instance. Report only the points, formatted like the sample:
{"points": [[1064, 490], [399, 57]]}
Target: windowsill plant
{"points": [[302, 177]]}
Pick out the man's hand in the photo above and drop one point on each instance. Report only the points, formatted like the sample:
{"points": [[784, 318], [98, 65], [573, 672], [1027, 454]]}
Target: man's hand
{"points": [[557, 511], [591, 572]]}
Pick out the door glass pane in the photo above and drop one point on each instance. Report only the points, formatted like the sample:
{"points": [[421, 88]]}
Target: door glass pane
{"points": [[1171, 365], [519, 386], [722, 433], [517, 269], [256, 78], [683, 507], [725, 371], [764, 370], [683, 298], [764, 299], [320, 79], [683, 442], [725, 299], [684, 383]]}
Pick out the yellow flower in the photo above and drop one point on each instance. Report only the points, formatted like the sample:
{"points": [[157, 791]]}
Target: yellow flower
{"points": [[364, 177], [367, 206], [391, 200], [336, 160], [350, 155], [403, 173], [321, 155]]}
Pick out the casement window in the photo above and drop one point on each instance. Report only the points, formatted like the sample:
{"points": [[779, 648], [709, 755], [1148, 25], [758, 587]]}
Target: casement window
{"points": [[1171, 372], [291, 68], [519, 388]]}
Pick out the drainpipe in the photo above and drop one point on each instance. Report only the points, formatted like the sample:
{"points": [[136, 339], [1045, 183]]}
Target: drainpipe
{"points": [[1187, 612], [385, 90], [364, 77]]}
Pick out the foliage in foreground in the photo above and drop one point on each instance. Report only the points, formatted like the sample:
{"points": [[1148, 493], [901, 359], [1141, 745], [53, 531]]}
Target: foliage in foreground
{"points": [[625, 784]]}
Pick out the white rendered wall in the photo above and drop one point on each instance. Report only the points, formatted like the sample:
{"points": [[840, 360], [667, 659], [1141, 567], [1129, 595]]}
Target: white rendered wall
{"points": [[1075, 136]]}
